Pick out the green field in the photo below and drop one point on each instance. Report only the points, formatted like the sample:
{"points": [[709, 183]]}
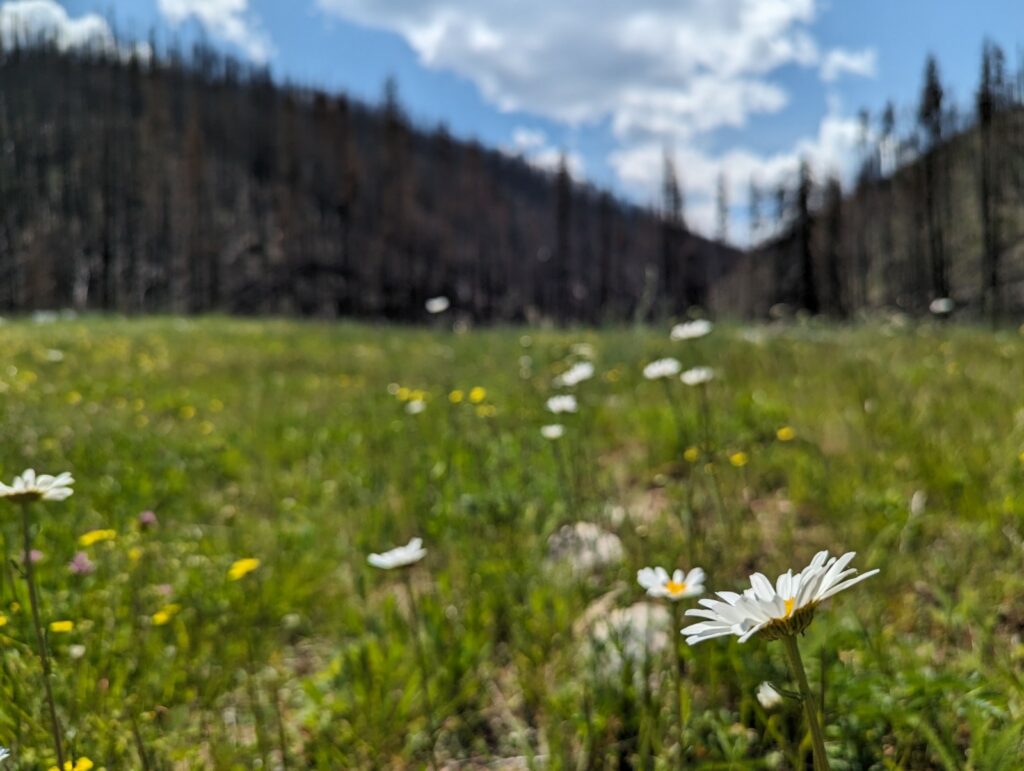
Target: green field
{"points": [[281, 442]]}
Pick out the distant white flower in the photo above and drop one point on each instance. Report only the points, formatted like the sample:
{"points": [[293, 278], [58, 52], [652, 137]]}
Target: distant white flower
{"points": [[4, 754], [691, 330], [437, 304], [575, 375], [942, 306], [698, 376], [415, 407], [29, 487], [775, 611], [768, 696], [553, 431], [562, 403], [400, 556], [678, 586], [662, 368], [54, 355], [76, 651]]}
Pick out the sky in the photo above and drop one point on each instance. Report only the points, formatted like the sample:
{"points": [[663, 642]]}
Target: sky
{"points": [[743, 88]]}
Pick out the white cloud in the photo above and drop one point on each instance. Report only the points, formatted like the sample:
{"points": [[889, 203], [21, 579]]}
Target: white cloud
{"points": [[839, 61], [30, 21], [227, 19], [533, 147], [831, 150], [654, 67]]}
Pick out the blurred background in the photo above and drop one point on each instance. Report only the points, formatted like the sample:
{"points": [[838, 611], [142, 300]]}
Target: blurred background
{"points": [[577, 161]]}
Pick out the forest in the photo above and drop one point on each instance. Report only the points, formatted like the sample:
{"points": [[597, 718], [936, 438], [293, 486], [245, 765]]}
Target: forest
{"points": [[194, 183], [189, 182]]}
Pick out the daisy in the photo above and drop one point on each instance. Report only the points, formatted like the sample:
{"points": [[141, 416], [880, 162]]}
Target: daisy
{"points": [[942, 306], [562, 403], [678, 586], [575, 375], [553, 431], [437, 305], [4, 753], [691, 330], [29, 487], [415, 407], [698, 376], [767, 696], [662, 368], [400, 556], [782, 610]]}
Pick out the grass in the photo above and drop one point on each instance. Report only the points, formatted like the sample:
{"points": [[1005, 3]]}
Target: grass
{"points": [[281, 442]]}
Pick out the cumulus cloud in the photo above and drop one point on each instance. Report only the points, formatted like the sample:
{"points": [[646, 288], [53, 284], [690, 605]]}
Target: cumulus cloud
{"points": [[831, 150], [227, 19], [679, 66], [532, 146], [839, 61], [26, 22]]}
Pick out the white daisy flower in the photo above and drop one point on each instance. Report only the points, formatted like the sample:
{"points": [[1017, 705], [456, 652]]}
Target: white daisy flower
{"points": [[29, 487], [698, 376], [775, 611], [942, 306], [437, 305], [575, 375], [662, 368], [400, 556], [562, 403], [4, 754], [678, 586], [768, 697], [553, 431], [415, 407], [691, 330]]}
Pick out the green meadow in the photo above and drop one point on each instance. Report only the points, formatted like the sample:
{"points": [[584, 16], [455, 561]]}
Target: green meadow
{"points": [[521, 639]]}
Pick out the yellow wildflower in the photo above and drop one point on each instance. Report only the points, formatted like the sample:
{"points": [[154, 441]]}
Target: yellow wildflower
{"points": [[82, 764], [404, 394], [691, 454], [477, 394], [739, 459], [135, 554], [3, 620], [165, 614], [456, 396], [95, 536], [61, 627], [242, 568], [786, 434]]}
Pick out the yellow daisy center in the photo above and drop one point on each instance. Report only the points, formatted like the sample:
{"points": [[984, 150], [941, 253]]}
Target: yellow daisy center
{"points": [[789, 607], [674, 587]]}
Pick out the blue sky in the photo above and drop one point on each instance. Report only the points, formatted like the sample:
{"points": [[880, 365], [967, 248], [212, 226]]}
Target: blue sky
{"points": [[745, 87]]}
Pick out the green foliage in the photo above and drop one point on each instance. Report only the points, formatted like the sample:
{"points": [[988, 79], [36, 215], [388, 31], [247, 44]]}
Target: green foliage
{"points": [[281, 441]]}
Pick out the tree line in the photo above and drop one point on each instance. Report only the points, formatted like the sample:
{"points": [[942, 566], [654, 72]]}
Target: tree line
{"points": [[189, 182], [933, 221]]}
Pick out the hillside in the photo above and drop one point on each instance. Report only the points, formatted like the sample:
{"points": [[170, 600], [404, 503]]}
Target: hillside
{"points": [[945, 220], [195, 184]]}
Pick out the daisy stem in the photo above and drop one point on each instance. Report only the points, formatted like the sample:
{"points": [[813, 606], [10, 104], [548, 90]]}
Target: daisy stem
{"points": [[674, 408], [680, 666], [40, 637], [796, 665], [421, 658]]}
